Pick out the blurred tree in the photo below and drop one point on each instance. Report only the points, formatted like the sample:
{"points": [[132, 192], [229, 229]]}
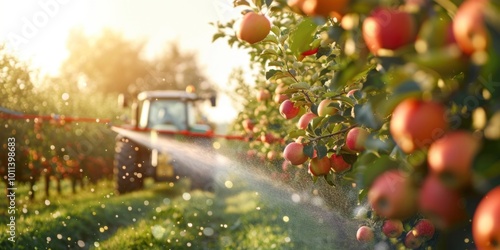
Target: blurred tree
{"points": [[174, 69], [16, 81], [110, 63]]}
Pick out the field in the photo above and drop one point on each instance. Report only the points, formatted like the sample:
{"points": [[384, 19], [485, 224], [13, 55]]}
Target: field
{"points": [[244, 212]]}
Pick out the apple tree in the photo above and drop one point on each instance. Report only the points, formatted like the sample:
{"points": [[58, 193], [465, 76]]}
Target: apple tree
{"points": [[397, 100]]}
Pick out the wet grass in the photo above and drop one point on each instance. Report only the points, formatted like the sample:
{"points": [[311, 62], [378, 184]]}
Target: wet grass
{"points": [[237, 215]]}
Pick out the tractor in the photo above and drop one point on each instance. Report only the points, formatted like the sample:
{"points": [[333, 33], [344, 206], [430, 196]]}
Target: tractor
{"points": [[163, 139]]}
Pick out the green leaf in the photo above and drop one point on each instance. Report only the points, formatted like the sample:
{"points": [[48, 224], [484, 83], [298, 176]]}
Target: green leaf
{"points": [[296, 133], [330, 179], [362, 194], [364, 115], [276, 30], [301, 36], [300, 85], [321, 150], [336, 119], [257, 3], [269, 52], [237, 3], [350, 158], [402, 92], [276, 64], [271, 73], [323, 51], [309, 150], [217, 36], [271, 39], [345, 99], [350, 73]]}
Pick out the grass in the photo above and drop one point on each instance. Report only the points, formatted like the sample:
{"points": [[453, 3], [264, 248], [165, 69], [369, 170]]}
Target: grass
{"points": [[240, 214]]}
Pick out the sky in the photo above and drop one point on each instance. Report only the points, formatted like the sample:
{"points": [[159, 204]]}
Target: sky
{"points": [[36, 31]]}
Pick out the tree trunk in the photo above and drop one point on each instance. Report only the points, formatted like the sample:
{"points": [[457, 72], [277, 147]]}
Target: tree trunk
{"points": [[74, 179], [58, 185], [47, 185], [32, 190]]}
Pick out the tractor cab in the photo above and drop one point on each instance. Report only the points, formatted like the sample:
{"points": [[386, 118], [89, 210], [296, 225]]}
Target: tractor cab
{"points": [[170, 111]]}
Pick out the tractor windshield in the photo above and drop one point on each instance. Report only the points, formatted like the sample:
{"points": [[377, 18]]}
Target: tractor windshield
{"points": [[175, 115], [168, 114]]}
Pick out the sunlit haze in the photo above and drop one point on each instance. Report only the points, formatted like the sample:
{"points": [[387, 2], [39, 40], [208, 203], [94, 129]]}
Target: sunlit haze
{"points": [[37, 31]]}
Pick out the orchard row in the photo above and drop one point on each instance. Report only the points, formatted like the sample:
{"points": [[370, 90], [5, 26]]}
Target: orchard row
{"points": [[397, 99]]}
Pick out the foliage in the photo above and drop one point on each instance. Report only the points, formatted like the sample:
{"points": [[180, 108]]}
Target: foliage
{"points": [[316, 58], [110, 63]]}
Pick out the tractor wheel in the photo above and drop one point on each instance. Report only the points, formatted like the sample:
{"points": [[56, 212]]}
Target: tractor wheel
{"points": [[126, 166]]}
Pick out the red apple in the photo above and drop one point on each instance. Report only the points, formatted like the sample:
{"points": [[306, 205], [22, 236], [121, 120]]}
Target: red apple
{"points": [[325, 8], [294, 153], [412, 241], [486, 221], [319, 166], [338, 164], [305, 119], [392, 228], [324, 108], [388, 28], [416, 124], [442, 205], [392, 195], [469, 28], [267, 138], [424, 229], [272, 155], [356, 138], [451, 158], [253, 28], [248, 125], [263, 95], [288, 109], [365, 234]]}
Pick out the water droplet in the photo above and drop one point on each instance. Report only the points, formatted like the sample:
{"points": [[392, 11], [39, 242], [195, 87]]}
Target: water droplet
{"points": [[81, 243], [186, 196], [59, 236], [96, 244], [158, 209], [47, 202], [286, 218], [209, 202], [129, 208], [287, 239], [166, 201], [296, 198], [158, 231], [228, 184], [146, 203], [208, 231]]}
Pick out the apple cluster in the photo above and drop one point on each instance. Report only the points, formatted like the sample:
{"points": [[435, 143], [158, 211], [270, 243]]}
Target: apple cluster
{"points": [[396, 101]]}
